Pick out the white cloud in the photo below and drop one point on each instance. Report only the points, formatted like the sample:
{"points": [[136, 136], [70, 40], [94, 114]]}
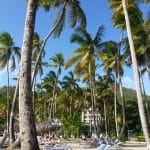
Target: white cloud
{"points": [[128, 82]]}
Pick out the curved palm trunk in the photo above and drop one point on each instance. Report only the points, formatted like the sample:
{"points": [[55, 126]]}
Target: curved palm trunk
{"points": [[26, 117], [115, 104], [45, 40], [12, 115], [8, 103], [144, 122]]}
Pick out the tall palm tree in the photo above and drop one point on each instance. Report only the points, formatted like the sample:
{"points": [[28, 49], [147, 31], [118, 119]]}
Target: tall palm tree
{"points": [[26, 119], [141, 40], [25, 70], [69, 8], [136, 76], [8, 54], [136, 20], [69, 83], [104, 94], [85, 58], [109, 57], [58, 62], [36, 49], [49, 83]]}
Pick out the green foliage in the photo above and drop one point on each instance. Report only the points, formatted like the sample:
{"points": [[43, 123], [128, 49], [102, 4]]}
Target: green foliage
{"points": [[3, 103], [71, 124]]}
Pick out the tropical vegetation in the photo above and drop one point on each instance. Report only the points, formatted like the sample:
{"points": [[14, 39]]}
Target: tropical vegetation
{"points": [[44, 92]]}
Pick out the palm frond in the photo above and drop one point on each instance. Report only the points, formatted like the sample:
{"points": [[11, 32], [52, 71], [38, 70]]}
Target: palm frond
{"points": [[75, 38], [60, 22], [76, 14], [72, 60], [99, 35], [17, 52], [6, 40], [46, 4], [13, 63]]}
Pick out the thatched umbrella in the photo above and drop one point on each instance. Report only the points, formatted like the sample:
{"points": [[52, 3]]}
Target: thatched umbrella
{"points": [[42, 127], [45, 127]]}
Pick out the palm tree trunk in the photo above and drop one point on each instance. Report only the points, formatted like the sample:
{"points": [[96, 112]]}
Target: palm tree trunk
{"points": [[121, 90], [115, 104], [145, 97], [12, 115], [146, 62], [92, 97], [44, 106], [45, 40], [105, 116], [70, 104], [144, 122], [123, 109], [4, 138], [26, 117], [53, 105], [8, 103], [34, 95]]}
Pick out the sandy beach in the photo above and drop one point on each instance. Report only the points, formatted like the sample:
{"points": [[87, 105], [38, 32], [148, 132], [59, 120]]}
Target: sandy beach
{"points": [[78, 146]]}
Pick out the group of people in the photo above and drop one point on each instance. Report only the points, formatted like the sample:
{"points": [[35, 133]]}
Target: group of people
{"points": [[47, 139]]}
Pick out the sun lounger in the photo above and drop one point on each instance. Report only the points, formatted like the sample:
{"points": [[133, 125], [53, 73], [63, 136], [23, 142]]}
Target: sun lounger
{"points": [[50, 147]]}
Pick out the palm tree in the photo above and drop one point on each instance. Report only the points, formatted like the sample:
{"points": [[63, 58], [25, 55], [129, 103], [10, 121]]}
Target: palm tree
{"points": [[141, 41], [109, 57], [75, 14], [69, 83], [85, 58], [136, 20], [104, 93], [58, 62], [25, 70], [36, 49], [51, 86], [136, 76], [26, 119], [8, 54]]}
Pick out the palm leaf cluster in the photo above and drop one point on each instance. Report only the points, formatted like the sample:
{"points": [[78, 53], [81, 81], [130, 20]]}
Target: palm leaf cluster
{"points": [[70, 8], [8, 51]]}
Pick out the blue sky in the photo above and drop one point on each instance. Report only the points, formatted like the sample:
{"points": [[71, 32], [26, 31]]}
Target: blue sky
{"points": [[12, 16]]}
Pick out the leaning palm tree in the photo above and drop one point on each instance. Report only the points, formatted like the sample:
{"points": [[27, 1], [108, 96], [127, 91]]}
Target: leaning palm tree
{"points": [[144, 122], [8, 54], [36, 49], [85, 58], [66, 9]]}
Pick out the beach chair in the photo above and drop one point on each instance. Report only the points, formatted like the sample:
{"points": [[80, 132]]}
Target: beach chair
{"points": [[95, 143], [50, 147]]}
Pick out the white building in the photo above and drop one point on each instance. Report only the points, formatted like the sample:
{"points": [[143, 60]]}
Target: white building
{"points": [[88, 119]]}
